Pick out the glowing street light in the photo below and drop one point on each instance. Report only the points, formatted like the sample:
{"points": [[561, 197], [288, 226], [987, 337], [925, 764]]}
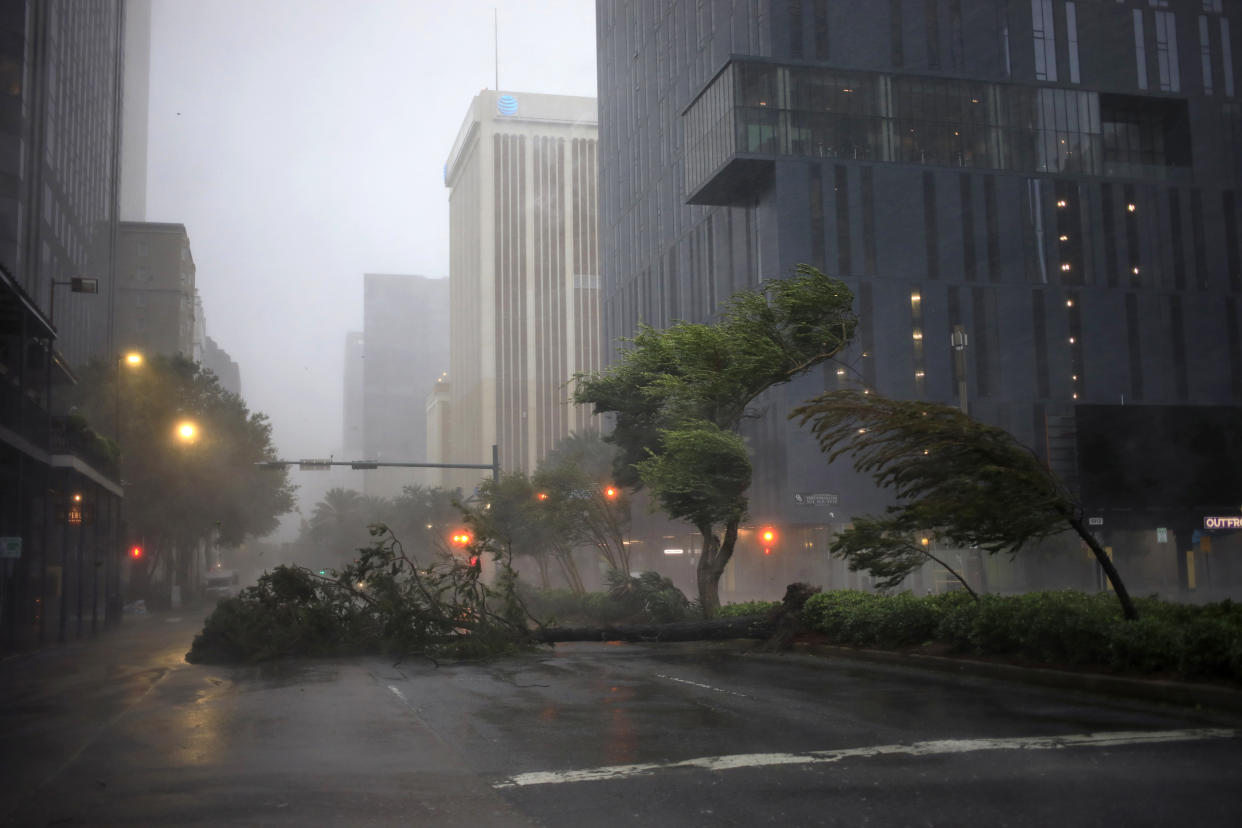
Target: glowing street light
{"points": [[133, 359], [187, 432]]}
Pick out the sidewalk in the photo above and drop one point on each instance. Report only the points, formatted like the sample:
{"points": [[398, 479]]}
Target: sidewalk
{"points": [[1188, 693]]}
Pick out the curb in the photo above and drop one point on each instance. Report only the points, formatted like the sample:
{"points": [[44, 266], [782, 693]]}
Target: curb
{"points": [[1150, 690]]}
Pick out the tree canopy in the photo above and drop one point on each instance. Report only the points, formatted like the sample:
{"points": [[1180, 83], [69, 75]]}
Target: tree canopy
{"points": [[181, 491], [956, 479], [683, 392]]}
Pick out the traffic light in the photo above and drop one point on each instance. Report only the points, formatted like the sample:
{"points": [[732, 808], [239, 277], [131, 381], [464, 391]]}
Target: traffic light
{"points": [[135, 552], [610, 492], [767, 536]]}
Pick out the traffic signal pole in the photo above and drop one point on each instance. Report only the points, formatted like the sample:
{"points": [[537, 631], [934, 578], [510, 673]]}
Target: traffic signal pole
{"points": [[308, 465]]}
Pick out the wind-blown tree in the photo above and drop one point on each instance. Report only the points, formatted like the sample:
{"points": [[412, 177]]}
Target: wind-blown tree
{"points": [[683, 392], [180, 493], [510, 521], [577, 494], [424, 518], [956, 479], [338, 524]]}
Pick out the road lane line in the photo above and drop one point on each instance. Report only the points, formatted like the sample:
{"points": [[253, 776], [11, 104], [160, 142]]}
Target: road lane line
{"points": [[819, 757], [399, 694], [704, 686]]}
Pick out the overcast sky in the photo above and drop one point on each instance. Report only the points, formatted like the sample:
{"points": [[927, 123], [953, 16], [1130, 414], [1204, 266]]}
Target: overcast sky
{"points": [[302, 144]]}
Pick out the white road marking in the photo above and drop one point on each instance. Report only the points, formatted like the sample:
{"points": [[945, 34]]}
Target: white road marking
{"points": [[399, 694], [818, 757], [704, 686]]}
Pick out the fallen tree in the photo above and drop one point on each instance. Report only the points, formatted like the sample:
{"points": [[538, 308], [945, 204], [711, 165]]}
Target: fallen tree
{"points": [[747, 626], [384, 603]]}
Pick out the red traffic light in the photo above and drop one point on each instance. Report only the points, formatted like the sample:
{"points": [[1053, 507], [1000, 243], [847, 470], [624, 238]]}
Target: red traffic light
{"points": [[135, 552], [768, 535], [610, 492]]}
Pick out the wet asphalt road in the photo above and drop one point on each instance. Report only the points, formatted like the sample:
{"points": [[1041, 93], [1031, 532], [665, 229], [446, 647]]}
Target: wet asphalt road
{"points": [[121, 731]]}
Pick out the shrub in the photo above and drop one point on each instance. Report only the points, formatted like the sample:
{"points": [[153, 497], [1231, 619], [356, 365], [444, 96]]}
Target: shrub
{"points": [[1055, 628], [747, 608]]}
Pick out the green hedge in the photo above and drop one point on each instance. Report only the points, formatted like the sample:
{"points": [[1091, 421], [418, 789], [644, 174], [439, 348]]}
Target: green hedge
{"points": [[748, 608], [1064, 628]]}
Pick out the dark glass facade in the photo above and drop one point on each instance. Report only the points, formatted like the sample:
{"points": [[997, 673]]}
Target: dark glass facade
{"points": [[1059, 179]]}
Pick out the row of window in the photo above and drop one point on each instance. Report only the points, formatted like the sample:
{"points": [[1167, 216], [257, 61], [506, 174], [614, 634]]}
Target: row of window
{"points": [[766, 109]]}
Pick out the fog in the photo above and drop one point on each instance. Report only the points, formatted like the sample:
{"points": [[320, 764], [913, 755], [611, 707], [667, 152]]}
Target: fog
{"points": [[302, 143]]}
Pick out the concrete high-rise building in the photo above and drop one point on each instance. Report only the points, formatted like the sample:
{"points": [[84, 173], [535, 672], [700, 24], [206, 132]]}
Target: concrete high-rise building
{"points": [[155, 298], [60, 90], [60, 122], [405, 342], [1056, 181], [351, 413], [226, 369], [524, 274]]}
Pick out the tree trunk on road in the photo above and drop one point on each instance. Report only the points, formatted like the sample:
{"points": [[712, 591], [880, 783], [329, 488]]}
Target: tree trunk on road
{"points": [[747, 626]]}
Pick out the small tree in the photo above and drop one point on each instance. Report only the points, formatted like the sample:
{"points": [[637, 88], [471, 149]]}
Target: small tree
{"points": [[180, 494], [577, 494], [956, 478], [686, 390]]}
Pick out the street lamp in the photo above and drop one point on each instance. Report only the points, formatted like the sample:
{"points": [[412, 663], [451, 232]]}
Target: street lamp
{"points": [[187, 431]]}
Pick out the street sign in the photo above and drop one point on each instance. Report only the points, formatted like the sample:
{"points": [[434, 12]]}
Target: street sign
{"points": [[10, 547], [1095, 521], [816, 499], [1223, 522], [314, 465], [1162, 535]]}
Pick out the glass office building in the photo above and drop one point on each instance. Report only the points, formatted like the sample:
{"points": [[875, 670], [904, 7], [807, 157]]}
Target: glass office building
{"points": [[1058, 181]]}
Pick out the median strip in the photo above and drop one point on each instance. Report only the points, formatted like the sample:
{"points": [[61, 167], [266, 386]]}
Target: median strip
{"points": [[820, 757]]}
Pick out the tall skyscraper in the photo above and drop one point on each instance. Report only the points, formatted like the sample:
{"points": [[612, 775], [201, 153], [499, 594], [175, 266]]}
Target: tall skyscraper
{"points": [[60, 90], [524, 274], [60, 120], [156, 300], [405, 345], [1050, 187]]}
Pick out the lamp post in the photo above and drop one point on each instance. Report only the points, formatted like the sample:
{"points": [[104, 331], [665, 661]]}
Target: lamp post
{"points": [[113, 606], [78, 284]]}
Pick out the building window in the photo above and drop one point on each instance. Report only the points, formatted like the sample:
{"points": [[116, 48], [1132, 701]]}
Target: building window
{"points": [[1205, 54], [1166, 52], [1140, 49], [929, 225], [1073, 311], [931, 20], [1226, 56], [1045, 40], [841, 185], [1134, 336], [1071, 39], [916, 339], [821, 29], [896, 35]]}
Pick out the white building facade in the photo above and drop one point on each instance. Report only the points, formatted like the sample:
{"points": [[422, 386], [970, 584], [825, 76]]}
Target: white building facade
{"points": [[524, 275]]}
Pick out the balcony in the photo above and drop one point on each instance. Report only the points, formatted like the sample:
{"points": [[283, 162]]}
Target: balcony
{"points": [[753, 113]]}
